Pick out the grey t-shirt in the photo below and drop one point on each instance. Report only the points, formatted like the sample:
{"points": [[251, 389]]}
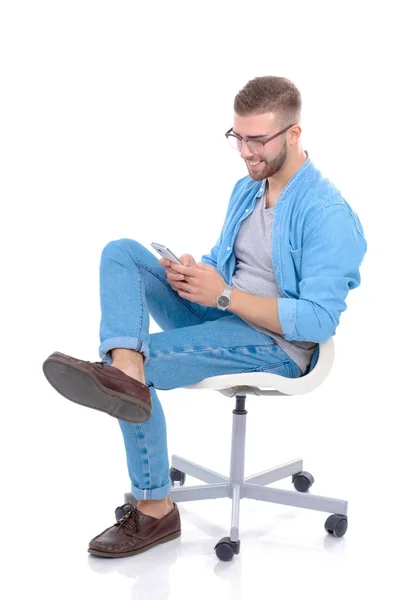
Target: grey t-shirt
{"points": [[254, 274]]}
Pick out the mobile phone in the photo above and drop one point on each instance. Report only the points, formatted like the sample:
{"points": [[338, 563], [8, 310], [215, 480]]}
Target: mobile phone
{"points": [[165, 252]]}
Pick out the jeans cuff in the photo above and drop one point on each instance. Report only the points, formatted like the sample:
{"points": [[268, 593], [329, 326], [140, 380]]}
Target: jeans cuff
{"points": [[130, 343], [154, 494]]}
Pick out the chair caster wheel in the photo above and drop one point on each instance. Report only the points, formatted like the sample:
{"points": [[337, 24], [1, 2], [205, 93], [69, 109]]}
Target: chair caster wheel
{"points": [[302, 481], [336, 525], [123, 510], [130, 499], [177, 475], [225, 549]]}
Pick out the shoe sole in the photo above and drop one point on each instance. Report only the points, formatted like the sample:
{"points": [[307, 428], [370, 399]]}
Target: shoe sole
{"points": [[167, 538], [82, 388]]}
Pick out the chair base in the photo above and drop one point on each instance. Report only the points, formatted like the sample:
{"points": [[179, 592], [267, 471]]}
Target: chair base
{"points": [[246, 489], [236, 486]]}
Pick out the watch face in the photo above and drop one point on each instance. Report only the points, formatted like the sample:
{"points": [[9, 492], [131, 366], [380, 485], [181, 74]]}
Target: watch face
{"points": [[223, 301]]}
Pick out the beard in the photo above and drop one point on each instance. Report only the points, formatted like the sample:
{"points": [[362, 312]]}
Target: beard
{"points": [[271, 167]]}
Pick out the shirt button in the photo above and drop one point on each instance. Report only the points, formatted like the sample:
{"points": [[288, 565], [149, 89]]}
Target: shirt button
{"points": [[228, 247], [247, 210]]}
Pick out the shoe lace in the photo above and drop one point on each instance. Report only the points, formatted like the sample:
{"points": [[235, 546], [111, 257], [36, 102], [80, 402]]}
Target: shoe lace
{"points": [[130, 521]]}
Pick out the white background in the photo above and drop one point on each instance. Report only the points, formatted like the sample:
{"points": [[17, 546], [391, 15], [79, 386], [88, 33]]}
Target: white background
{"points": [[112, 117]]}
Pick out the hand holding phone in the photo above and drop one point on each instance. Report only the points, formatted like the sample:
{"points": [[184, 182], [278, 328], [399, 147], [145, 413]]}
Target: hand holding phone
{"points": [[174, 279]]}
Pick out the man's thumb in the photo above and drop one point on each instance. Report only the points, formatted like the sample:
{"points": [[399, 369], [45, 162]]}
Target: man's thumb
{"points": [[187, 260]]}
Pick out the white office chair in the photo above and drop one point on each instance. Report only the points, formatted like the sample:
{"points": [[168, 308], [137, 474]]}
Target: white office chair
{"points": [[236, 486]]}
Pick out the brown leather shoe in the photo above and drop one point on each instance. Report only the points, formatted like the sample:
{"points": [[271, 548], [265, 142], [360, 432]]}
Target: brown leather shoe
{"points": [[99, 386], [136, 532]]}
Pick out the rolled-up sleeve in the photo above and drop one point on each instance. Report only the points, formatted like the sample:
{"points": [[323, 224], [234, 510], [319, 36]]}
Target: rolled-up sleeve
{"points": [[329, 267]]}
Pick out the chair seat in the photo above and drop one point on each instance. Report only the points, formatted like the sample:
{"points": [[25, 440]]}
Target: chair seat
{"points": [[262, 383]]}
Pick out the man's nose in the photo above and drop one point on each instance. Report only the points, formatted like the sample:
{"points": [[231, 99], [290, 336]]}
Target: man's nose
{"points": [[245, 152]]}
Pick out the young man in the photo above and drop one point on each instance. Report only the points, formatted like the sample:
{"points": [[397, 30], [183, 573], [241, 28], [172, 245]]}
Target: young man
{"points": [[270, 290]]}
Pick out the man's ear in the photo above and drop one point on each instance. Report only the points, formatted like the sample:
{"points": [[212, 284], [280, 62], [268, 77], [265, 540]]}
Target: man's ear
{"points": [[294, 134]]}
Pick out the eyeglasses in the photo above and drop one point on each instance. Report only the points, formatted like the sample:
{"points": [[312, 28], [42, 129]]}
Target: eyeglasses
{"points": [[255, 146]]}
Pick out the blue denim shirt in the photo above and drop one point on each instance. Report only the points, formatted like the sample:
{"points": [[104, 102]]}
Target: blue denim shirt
{"points": [[317, 247]]}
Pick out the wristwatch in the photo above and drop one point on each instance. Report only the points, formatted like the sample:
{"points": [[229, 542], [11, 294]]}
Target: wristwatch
{"points": [[224, 300]]}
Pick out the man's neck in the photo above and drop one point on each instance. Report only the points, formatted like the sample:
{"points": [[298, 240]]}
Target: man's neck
{"points": [[277, 182]]}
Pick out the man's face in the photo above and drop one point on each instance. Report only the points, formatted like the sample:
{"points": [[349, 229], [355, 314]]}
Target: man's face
{"points": [[274, 154]]}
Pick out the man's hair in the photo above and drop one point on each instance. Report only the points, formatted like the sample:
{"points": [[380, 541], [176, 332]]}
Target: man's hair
{"points": [[270, 94]]}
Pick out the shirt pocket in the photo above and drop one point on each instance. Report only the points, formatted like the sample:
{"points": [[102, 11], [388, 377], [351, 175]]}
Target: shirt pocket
{"points": [[296, 255]]}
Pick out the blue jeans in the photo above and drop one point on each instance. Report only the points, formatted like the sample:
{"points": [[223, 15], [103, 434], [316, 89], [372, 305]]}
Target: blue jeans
{"points": [[196, 342]]}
